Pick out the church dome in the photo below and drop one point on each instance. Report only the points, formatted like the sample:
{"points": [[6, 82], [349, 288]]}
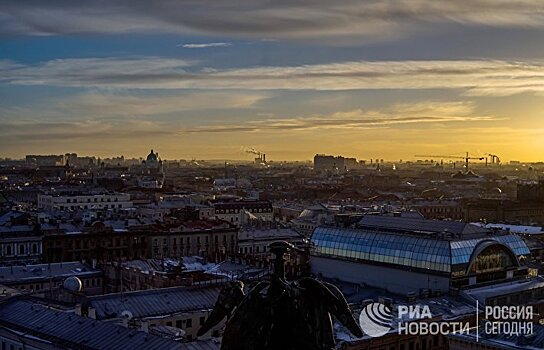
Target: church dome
{"points": [[152, 157]]}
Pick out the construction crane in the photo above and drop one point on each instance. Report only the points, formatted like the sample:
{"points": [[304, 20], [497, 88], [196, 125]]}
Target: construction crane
{"points": [[467, 158]]}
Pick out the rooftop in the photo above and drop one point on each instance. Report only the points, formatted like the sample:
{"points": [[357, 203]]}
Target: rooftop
{"points": [[483, 293], [17, 274], [415, 225], [507, 342], [68, 330], [268, 233], [441, 307], [157, 302]]}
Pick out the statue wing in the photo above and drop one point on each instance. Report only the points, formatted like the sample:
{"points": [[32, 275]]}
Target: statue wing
{"points": [[229, 298], [249, 325], [335, 303]]}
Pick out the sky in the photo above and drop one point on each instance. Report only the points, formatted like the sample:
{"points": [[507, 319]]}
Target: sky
{"points": [[203, 79]]}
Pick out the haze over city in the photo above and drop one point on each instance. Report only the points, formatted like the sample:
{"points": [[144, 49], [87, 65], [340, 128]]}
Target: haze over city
{"points": [[201, 79], [271, 175]]}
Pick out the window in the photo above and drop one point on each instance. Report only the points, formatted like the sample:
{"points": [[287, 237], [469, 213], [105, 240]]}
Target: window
{"points": [[189, 323], [21, 249], [179, 324]]}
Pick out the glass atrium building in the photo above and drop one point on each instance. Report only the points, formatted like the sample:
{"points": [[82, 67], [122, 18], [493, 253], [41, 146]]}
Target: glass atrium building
{"points": [[461, 259]]}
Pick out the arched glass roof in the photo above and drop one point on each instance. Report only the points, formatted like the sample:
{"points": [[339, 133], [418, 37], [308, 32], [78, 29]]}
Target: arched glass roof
{"points": [[412, 251]]}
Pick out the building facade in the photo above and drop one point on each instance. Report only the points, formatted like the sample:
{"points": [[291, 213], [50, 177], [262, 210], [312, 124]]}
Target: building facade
{"points": [[334, 165], [240, 212], [215, 242], [77, 201], [44, 278], [97, 243]]}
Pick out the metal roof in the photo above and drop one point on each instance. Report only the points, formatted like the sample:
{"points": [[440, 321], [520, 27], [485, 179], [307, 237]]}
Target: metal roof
{"points": [[70, 331], [520, 341], [157, 302], [404, 224], [20, 274], [268, 234], [483, 293]]}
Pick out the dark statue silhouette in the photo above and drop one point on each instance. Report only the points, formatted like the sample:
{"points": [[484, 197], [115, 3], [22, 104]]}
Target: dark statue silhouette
{"points": [[280, 315]]}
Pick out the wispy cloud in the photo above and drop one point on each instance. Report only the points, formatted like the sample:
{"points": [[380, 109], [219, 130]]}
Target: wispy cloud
{"points": [[474, 77], [204, 46], [315, 20], [434, 113], [87, 129], [108, 71], [417, 113], [111, 105]]}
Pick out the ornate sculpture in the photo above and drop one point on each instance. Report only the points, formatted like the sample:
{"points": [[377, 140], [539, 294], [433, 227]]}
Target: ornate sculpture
{"points": [[280, 315]]}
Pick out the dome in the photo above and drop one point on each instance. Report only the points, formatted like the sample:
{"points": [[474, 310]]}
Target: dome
{"points": [[152, 157], [73, 284]]}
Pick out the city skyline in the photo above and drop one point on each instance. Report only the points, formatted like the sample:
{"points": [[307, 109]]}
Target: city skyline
{"points": [[200, 80]]}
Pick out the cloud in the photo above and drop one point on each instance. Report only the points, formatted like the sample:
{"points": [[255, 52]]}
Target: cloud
{"points": [[314, 20], [32, 131], [475, 77], [432, 113], [417, 113], [204, 46], [108, 71], [103, 104]]}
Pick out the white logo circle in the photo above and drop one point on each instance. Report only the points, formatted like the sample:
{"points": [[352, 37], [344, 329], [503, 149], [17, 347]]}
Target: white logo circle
{"points": [[375, 320]]}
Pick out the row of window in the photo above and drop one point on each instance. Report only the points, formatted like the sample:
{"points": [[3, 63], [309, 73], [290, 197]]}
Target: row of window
{"points": [[236, 211], [105, 206], [75, 200], [249, 250], [188, 240], [22, 250]]}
